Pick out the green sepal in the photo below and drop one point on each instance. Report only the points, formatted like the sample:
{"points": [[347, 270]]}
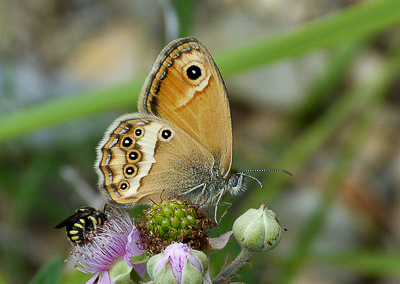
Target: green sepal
{"points": [[139, 259], [164, 275], [190, 274], [119, 272]]}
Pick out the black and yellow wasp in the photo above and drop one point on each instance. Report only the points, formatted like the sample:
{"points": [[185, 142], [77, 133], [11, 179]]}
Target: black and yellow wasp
{"points": [[81, 224]]}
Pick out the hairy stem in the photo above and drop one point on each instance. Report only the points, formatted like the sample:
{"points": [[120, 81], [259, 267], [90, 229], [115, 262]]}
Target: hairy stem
{"points": [[242, 258]]}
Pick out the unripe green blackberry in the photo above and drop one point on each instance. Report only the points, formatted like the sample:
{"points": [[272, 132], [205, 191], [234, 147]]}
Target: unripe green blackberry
{"points": [[173, 220]]}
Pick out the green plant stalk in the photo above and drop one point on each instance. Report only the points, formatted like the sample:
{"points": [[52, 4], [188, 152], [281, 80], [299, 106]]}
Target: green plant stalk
{"points": [[185, 10], [234, 266], [49, 273], [333, 30], [64, 109], [358, 21]]}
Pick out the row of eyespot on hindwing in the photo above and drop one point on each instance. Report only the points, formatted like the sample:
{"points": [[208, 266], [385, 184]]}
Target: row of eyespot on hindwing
{"points": [[81, 224], [125, 138]]}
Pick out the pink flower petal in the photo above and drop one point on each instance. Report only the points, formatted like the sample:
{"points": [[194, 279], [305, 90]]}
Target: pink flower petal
{"points": [[220, 242], [176, 254], [105, 279], [94, 277]]}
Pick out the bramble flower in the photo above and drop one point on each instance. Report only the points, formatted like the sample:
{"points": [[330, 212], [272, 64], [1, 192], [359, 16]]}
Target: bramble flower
{"points": [[108, 253], [178, 264]]}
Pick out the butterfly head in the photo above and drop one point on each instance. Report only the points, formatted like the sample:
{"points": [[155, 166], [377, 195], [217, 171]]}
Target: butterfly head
{"points": [[237, 183]]}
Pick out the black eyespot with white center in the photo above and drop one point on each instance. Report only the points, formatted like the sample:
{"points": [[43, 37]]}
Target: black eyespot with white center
{"points": [[134, 155], [124, 185], [127, 142], [165, 134], [130, 170], [139, 132], [193, 72]]}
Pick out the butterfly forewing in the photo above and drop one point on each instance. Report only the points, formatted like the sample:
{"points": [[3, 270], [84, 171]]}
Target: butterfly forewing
{"points": [[186, 89]]}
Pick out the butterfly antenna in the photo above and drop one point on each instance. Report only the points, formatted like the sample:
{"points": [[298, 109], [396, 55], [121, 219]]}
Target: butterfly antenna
{"points": [[284, 171], [256, 179], [259, 182]]}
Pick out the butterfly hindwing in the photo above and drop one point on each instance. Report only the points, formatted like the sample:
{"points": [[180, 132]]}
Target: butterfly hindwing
{"points": [[147, 158]]}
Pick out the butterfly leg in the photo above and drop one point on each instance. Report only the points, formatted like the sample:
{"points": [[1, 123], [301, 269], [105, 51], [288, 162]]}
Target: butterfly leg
{"points": [[195, 194], [220, 195], [223, 214]]}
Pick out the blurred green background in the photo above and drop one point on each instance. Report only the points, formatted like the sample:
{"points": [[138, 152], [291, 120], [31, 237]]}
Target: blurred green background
{"points": [[314, 89]]}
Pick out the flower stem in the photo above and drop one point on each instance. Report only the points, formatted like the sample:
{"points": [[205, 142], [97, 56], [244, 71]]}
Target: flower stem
{"points": [[243, 257]]}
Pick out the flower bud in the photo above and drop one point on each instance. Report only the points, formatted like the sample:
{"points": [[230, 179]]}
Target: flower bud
{"points": [[258, 230], [178, 264]]}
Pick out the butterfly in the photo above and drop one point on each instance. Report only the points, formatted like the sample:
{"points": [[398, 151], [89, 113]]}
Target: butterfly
{"points": [[180, 141]]}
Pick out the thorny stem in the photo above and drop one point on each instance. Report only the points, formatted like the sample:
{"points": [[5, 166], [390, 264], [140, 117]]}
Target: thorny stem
{"points": [[241, 259]]}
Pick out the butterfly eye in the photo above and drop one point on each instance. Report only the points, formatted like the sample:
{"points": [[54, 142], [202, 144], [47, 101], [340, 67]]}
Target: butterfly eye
{"points": [[130, 171], [139, 132], [233, 181], [123, 185], [134, 155], [165, 134], [193, 72], [126, 142]]}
